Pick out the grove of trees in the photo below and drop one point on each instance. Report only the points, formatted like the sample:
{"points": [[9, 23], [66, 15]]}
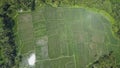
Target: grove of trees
{"points": [[8, 47]]}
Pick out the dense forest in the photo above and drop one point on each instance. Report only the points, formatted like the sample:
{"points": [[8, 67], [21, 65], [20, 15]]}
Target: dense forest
{"points": [[7, 39], [9, 57]]}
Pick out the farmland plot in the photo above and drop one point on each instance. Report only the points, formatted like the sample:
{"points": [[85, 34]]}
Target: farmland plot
{"points": [[78, 33], [26, 37], [69, 37]]}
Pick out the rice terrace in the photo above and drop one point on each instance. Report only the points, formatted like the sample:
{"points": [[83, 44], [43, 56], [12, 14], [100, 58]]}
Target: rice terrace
{"points": [[64, 35]]}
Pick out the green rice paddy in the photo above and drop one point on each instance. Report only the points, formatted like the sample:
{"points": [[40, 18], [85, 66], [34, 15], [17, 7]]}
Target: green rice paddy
{"points": [[66, 37]]}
